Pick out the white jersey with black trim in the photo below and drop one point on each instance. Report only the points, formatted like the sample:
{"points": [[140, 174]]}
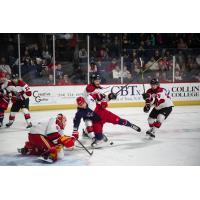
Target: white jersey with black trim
{"points": [[46, 128], [161, 99]]}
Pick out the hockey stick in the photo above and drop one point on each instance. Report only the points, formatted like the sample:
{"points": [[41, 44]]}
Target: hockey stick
{"points": [[142, 71], [122, 88], [90, 153]]}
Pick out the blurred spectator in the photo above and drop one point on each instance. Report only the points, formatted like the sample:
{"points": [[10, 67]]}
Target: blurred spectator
{"points": [[116, 73], [46, 54], [4, 67], [136, 66], [164, 77], [59, 71], [103, 55], [125, 73], [198, 60], [197, 77], [177, 76], [93, 67], [82, 53], [152, 65], [157, 75], [153, 40], [65, 80], [128, 79], [45, 71], [50, 80], [78, 76], [38, 67], [157, 55], [181, 44], [112, 65], [164, 64]]}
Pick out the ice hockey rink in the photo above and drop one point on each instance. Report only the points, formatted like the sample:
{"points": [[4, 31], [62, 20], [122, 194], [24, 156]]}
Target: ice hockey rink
{"points": [[176, 143]]}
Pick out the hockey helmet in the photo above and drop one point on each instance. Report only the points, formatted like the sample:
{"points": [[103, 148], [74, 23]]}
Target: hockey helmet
{"points": [[61, 121], [80, 101], [94, 77], [154, 81]]}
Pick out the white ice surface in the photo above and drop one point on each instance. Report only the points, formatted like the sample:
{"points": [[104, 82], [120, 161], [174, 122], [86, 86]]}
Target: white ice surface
{"points": [[176, 143]]}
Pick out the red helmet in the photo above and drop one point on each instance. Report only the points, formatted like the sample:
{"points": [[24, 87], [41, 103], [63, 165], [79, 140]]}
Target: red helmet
{"points": [[61, 121], [80, 101]]}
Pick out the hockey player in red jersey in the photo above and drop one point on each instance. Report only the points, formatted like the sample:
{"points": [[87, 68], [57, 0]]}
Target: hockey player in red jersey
{"points": [[21, 102], [158, 98], [97, 91], [5, 94], [4, 98], [46, 139], [99, 116]]}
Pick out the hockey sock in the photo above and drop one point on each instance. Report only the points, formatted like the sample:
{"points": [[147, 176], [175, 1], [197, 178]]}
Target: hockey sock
{"points": [[26, 115], [12, 117]]}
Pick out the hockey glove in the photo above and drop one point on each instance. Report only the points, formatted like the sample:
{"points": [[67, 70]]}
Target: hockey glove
{"points": [[104, 104], [112, 96], [146, 96], [146, 108], [100, 96], [75, 134]]}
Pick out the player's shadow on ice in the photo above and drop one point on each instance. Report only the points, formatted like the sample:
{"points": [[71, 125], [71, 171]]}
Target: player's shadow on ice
{"points": [[135, 145]]}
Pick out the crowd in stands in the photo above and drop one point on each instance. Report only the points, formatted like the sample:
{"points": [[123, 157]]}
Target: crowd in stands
{"points": [[156, 52]]}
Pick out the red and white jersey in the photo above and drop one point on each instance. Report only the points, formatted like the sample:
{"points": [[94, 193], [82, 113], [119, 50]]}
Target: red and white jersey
{"points": [[91, 89], [6, 94], [159, 98], [96, 92], [23, 89], [8, 86], [49, 129]]}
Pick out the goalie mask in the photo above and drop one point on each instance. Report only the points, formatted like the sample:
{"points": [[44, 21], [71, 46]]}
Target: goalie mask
{"points": [[61, 121]]}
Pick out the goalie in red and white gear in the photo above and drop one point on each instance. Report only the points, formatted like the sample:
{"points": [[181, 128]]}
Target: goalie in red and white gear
{"points": [[20, 100], [158, 98], [46, 139]]}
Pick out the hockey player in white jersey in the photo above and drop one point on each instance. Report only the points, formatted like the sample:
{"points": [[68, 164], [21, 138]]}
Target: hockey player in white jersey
{"points": [[158, 98], [95, 90]]}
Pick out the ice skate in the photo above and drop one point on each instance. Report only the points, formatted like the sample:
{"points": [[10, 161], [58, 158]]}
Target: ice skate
{"points": [[9, 124], [29, 125], [99, 143], [23, 151], [150, 133]]}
